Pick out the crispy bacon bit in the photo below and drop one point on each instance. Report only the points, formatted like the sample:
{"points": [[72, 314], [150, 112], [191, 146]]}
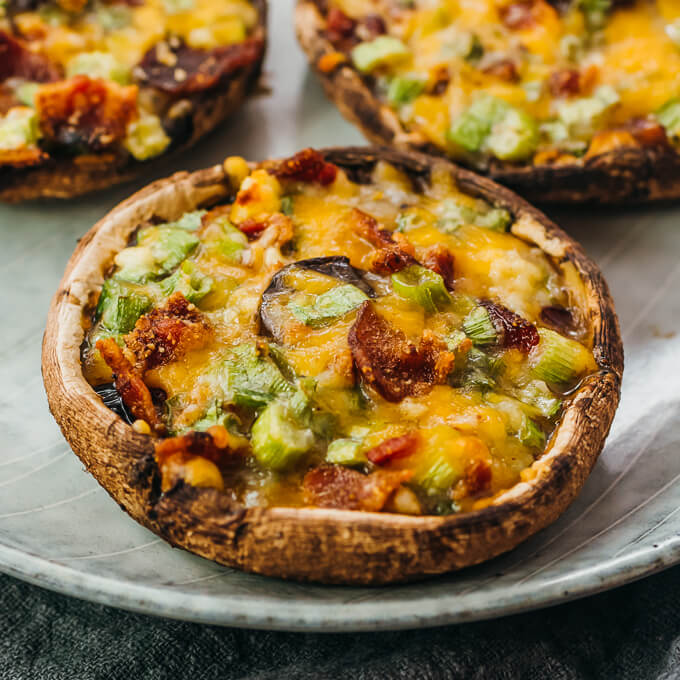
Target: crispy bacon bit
{"points": [[307, 165], [18, 61], [178, 69], [81, 111], [648, 132], [442, 78], [518, 15], [504, 69], [394, 251], [477, 477], [167, 333], [514, 330], [72, 6], [22, 158], [252, 228], [393, 448], [212, 444], [340, 29], [390, 363], [440, 259], [335, 486], [128, 381], [565, 82], [371, 26], [558, 318]]}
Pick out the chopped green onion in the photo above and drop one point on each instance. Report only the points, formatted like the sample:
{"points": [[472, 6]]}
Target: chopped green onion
{"points": [[169, 245], [514, 137], [329, 306], [189, 280], [277, 441], [345, 452], [669, 116], [287, 205], [422, 286], [403, 90], [560, 360], [531, 435], [497, 219], [382, 51], [479, 327], [120, 305]]}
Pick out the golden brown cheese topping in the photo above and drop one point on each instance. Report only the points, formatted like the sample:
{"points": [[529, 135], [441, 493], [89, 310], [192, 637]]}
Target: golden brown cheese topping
{"points": [[518, 80], [113, 79], [323, 340]]}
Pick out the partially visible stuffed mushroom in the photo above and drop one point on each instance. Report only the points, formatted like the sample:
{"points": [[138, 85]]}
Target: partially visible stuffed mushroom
{"points": [[561, 101]]}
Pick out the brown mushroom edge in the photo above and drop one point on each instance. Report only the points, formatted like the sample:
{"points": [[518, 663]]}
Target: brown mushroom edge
{"points": [[69, 177], [313, 544], [626, 175]]}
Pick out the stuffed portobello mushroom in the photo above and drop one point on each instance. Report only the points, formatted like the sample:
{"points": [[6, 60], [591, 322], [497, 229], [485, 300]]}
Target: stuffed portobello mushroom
{"points": [[562, 101], [92, 92], [348, 366]]}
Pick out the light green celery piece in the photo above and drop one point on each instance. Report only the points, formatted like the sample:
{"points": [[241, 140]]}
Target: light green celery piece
{"points": [[98, 65], [252, 380], [559, 360], [346, 452], [595, 13], [277, 442], [287, 203], [673, 31], [384, 50], [496, 219], [146, 137], [329, 306], [232, 241], [669, 116], [404, 89], [514, 137], [537, 395], [189, 221], [438, 474], [169, 245], [479, 327], [18, 128], [473, 126], [136, 264], [178, 6], [582, 116], [423, 286], [214, 415], [189, 280], [113, 17], [120, 305], [531, 435], [453, 215], [25, 92]]}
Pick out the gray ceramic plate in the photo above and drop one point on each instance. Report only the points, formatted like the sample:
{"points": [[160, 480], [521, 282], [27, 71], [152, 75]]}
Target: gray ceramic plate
{"points": [[60, 530]]}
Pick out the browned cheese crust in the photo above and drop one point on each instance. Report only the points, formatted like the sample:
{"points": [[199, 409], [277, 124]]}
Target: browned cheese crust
{"points": [[69, 177], [624, 175], [316, 544]]}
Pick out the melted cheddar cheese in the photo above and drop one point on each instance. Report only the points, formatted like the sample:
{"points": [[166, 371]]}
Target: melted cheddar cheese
{"points": [[280, 374]]}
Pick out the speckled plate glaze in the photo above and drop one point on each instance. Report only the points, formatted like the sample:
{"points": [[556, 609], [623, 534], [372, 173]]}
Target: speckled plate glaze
{"points": [[59, 529]]}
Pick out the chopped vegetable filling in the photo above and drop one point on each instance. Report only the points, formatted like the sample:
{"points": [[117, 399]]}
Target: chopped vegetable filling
{"points": [[319, 341]]}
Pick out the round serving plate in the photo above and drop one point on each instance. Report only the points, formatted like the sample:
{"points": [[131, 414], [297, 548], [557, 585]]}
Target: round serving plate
{"points": [[59, 529]]}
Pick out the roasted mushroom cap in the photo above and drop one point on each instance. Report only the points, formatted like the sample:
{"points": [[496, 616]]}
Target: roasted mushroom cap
{"points": [[314, 544], [628, 174]]}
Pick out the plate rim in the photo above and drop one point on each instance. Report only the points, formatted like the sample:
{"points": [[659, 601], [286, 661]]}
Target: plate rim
{"points": [[243, 611]]}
